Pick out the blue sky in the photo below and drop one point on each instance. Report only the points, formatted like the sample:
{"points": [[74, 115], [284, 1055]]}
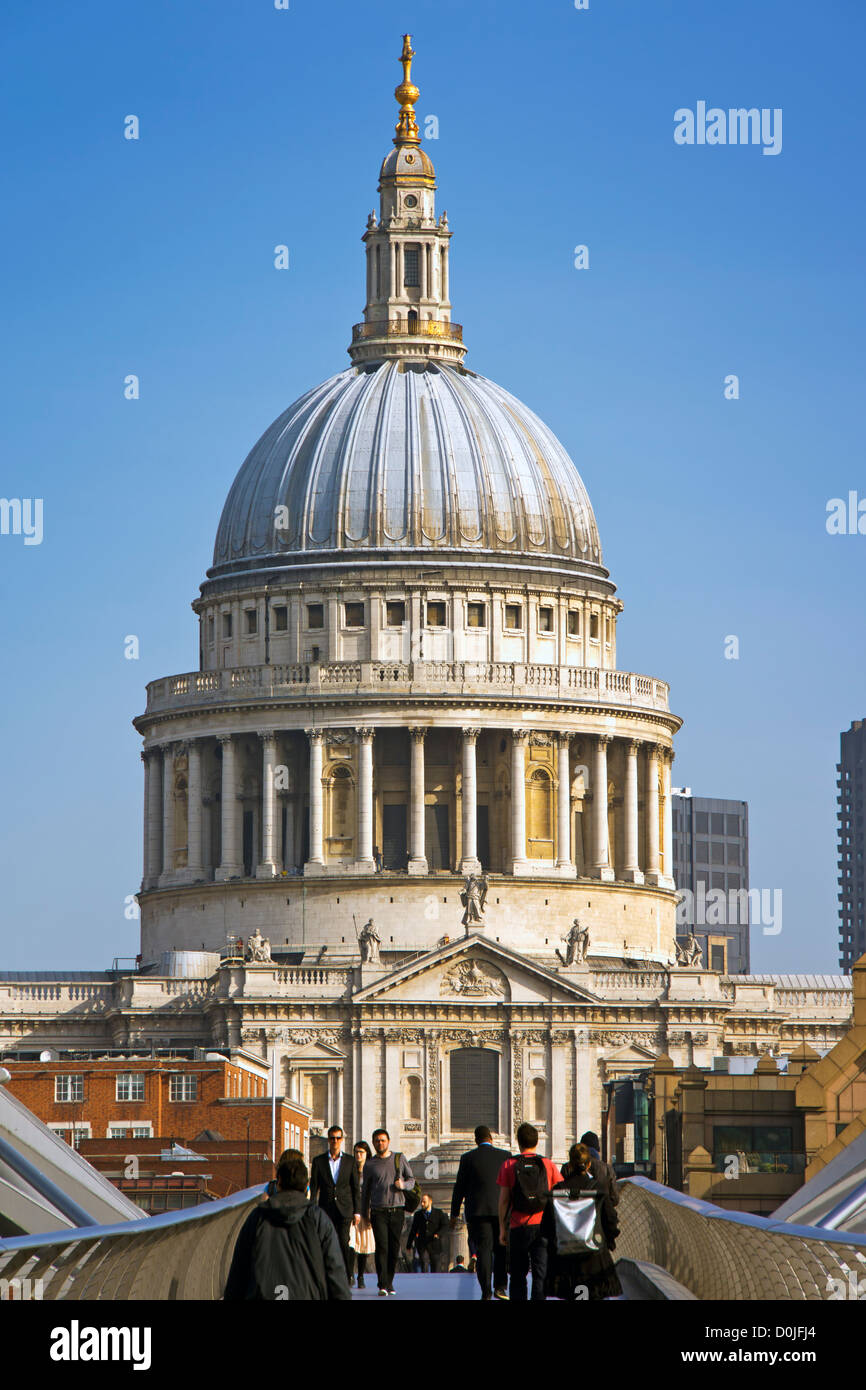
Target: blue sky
{"points": [[260, 127]]}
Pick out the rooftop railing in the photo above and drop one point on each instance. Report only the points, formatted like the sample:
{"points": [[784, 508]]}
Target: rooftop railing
{"points": [[408, 328], [582, 684]]}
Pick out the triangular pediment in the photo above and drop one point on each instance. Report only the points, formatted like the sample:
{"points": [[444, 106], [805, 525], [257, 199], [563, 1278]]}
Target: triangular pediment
{"points": [[633, 1054], [473, 971], [314, 1052]]}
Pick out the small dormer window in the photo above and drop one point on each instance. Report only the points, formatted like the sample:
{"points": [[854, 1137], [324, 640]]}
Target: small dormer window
{"points": [[411, 275]]}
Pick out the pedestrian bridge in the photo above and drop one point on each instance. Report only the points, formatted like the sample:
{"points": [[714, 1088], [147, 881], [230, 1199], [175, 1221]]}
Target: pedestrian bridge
{"points": [[671, 1246]]}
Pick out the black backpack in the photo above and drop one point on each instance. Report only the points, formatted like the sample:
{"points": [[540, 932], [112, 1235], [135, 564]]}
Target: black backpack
{"points": [[531, 1191]]}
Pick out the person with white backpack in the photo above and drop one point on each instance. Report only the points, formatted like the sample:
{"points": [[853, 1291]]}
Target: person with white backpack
{"points": [[581, 1226]]}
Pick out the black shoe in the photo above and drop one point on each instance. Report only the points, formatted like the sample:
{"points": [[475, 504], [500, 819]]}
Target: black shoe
{"points": [[501, 1293], [487, 1298], [361, 1284]]}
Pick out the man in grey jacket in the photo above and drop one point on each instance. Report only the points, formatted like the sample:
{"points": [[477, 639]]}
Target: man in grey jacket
{"points": [[386, 1176]]}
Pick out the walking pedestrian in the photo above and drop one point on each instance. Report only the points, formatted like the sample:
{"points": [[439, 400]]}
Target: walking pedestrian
{"points": [[287, 1248], [361, 1242], [334, 1187], [525, 1184], [599, 1166], [425, 1237], [589, 1273], [387, 1176], [475, 1188]]}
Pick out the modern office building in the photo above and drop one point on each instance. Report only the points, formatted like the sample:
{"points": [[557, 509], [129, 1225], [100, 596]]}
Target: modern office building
{"points": [[711, 853], [852, 844]]}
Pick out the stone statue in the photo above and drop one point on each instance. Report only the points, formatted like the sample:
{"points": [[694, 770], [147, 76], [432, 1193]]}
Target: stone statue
{"points": [[473, 897], [258, 949], [369, 941], [691, 953], [576, 944]]}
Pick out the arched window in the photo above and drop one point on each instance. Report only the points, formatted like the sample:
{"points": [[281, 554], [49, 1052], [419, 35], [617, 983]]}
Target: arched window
{"points": [[413, 320], [474, 1088], [539, 1099], [412, 1098], [539, 815]]}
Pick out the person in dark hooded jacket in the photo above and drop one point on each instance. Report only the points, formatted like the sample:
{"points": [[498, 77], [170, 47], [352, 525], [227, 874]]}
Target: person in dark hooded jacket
{"points": [[287, 1248]]}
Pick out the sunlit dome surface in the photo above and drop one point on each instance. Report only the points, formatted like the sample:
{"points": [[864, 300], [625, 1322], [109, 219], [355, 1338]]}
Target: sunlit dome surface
{"points": [[431, 459]]}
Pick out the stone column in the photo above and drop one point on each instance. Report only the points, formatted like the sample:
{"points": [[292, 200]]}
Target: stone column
{"points": [[268, 867], [652, 806], [152, 817], [470, 863], [194, 863], [364, 843], [519, 862], [564, 861], [601, 866], [631, 870], [417, 849], [167, 813], [316, 861], [666, 879], [231, 859]]}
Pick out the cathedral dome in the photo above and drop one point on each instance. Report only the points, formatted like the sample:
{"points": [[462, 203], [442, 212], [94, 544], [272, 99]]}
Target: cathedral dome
{"points": [[404, 458]]}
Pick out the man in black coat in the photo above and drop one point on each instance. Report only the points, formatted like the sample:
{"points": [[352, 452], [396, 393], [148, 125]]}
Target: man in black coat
{"points": [[287, 1248], [428, 1227], [334, 1187], [476, 1186]]}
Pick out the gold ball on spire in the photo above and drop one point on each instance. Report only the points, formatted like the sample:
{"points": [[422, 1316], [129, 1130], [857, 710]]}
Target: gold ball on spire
{"points": [[407, 94]]}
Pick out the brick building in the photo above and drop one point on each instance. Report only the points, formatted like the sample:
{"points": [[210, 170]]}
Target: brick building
{"points": [[190, 1098]]}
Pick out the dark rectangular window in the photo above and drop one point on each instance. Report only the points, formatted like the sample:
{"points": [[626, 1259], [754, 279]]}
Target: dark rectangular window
{"points": [[593, 627], [395, 613], [251, 618], [281, 618], [702, 823], [354, 614], [410, 266], [574, 622], [227, 624], [733, 825], [476, 615], [436, 614], [545, 620], [718, 823], [315, 615], [513, 617]]}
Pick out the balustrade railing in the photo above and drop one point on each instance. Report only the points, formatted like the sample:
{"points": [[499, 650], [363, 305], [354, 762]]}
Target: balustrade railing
{"points": [[623, 688]]}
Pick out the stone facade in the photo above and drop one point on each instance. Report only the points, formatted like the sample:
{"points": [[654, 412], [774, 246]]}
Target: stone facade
{"points": [[407, 703]]}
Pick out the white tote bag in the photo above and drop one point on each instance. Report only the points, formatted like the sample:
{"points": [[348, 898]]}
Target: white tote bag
{"points": [[577, 1223]]}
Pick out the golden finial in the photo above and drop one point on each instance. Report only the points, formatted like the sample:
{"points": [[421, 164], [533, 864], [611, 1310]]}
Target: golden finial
{"points": [[407, 94]]}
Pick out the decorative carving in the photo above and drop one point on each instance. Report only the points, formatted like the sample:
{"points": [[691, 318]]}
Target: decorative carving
{"points": [[539, 740], [258, 949], [432, 1090], [576, 944], [369, 941], [519, 735], [314, 735], [618, 1039], [417, 733], [691, 954], [473, 980], [365, 735], [517, 1081], [474, 898], [470, 735], [340, 738], [402, 1035]]}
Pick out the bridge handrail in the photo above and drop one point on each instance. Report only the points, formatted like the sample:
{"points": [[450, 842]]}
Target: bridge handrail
{"points": [[722, 1254], [181, 1254]]}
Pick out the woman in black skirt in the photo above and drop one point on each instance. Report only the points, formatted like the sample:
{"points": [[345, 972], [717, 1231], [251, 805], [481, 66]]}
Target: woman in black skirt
{"points": [[594, 1271]]}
